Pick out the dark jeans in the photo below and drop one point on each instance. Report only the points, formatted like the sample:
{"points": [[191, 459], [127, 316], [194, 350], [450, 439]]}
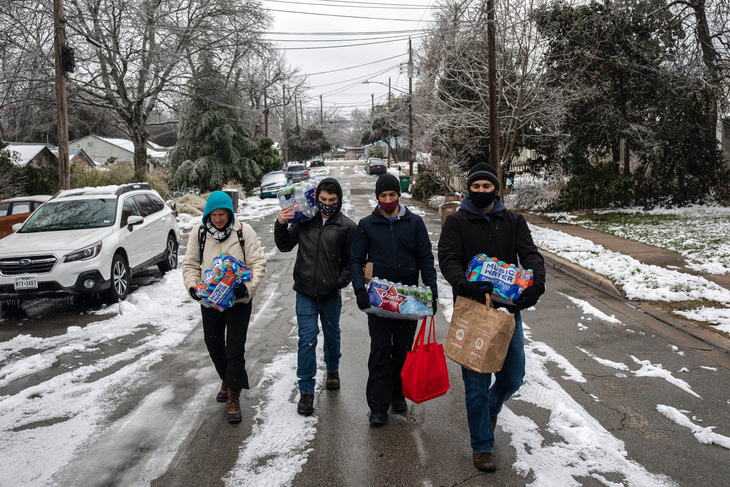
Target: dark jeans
{"points": [[225, 336], [390, 340]]}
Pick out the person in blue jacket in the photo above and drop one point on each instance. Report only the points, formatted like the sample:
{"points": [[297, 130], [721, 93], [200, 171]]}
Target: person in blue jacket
{"points": [[397, 243]]}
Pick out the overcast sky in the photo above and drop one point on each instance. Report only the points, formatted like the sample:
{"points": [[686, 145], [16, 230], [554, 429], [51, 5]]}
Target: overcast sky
{"points": [[315, 24]]}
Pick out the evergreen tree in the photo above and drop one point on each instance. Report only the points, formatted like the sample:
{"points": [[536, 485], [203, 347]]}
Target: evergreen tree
{"points": [[213, 146]]}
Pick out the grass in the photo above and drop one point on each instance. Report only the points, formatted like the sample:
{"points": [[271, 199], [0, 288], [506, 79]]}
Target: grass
{"points": [[700, 234]]}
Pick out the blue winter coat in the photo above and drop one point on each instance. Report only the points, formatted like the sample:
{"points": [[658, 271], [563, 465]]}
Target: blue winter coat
{"points": [[399, 250]]}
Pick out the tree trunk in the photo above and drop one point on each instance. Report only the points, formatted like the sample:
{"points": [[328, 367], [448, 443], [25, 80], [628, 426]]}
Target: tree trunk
{"points": [[139, 137]]}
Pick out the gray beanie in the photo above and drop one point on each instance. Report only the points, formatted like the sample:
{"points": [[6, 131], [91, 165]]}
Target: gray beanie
{"points": [[482, 171]]}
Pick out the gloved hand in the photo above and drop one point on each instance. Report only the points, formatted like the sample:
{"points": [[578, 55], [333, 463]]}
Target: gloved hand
{"points": [[240, 291], [529, 296], [363, 302], [475, 290], [193, 294]]}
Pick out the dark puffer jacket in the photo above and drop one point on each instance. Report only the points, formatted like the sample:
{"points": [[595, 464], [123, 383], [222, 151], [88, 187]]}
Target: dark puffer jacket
{"points": [[323, 257], [399, 250], [501, 233]]}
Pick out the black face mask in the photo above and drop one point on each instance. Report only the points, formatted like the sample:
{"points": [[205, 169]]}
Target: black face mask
{"points": [[482, 200]]}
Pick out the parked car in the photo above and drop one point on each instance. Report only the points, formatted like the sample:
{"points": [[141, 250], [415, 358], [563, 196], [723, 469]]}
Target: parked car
{"points": [[16, 210], [89, 241], [272, 183], [375, 166], [316, 161], [296, 173]]}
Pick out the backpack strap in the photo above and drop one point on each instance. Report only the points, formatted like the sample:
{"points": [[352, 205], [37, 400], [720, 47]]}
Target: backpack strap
{"points": [[202, 234], [242, 241]]}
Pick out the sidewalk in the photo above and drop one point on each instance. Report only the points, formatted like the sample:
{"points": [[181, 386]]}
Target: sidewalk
{"points": [[644, 253]]}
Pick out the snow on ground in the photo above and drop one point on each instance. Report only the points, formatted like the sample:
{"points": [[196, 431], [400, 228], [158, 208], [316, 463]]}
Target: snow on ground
{"points": [[703, 434], [639, 281], [66, 412], [585, 448], [700, 233]]}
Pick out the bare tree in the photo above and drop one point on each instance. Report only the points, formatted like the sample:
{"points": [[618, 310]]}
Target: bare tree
{"points": [[143, 46]]}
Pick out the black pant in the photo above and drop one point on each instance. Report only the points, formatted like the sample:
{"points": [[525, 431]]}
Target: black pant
{"points": [[390, 340], [227, 349]]}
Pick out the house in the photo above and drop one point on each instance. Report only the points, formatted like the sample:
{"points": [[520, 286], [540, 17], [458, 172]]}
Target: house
{"points": [[109, 150], [35, 155], [354, 153]]}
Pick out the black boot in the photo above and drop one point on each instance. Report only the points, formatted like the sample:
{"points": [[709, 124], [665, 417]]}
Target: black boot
{"points": [[306, 404]]}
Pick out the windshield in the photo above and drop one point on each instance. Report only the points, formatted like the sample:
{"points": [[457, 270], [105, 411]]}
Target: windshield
{"points": [[72, 215], [295, 168], [376, 162]]}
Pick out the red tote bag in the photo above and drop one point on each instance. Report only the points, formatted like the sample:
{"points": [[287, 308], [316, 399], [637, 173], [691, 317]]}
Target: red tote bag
{"points": [[424, 373]]}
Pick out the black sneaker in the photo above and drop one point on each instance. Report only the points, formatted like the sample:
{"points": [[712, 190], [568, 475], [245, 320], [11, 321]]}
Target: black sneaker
{"points": [[399, 406], [333, 381], [378, 418], [306, 404]]}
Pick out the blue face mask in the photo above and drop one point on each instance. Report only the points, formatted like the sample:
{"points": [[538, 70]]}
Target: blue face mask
{"points": [[326, 210]]}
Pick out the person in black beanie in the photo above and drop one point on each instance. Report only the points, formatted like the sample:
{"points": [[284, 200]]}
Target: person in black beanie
{"points": [[396, 241], [482, 225]]}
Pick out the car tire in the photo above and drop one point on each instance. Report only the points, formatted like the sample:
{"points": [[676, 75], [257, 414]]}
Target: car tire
{"points": [[120, 279], [170, 261]]}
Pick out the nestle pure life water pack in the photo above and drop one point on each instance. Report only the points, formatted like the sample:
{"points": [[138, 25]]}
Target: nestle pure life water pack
{"points": [[216, 287], [509, 281], [302, 196], [399, 301]]}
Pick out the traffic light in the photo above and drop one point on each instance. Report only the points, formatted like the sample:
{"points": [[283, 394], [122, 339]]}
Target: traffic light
{"points": [[67, 57]]}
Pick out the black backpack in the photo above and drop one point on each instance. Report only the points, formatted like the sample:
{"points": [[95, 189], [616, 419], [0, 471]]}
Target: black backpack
{"points": [[202, 234]]}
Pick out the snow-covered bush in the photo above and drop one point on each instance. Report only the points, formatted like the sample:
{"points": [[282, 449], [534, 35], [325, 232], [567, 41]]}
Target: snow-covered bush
{"points": [[536, 193]]}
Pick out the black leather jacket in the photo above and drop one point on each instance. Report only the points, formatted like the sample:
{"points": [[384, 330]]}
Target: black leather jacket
{"points": [[323, 257]]}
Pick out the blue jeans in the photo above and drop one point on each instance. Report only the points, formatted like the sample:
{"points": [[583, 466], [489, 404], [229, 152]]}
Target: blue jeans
{"points": [[328, 313], [483, 401]]}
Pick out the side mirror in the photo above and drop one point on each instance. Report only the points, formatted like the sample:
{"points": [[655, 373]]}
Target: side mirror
{"points": [[133, 220]]}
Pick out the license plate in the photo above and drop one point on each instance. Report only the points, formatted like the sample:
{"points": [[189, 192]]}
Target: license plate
{"points": [[26, 282]]}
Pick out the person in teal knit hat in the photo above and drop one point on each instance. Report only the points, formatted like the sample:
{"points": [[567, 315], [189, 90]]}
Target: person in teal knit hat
{"points": [[225, 331]]}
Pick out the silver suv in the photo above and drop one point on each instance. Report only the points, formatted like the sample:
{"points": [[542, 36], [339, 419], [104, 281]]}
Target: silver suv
{"points": [[88, 241]]}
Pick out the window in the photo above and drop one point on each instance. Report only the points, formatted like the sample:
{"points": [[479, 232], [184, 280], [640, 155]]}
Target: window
{"points": [[73, 214], [129, 208], [144, 204], [156, 202], [20, 207], [4, 209]]}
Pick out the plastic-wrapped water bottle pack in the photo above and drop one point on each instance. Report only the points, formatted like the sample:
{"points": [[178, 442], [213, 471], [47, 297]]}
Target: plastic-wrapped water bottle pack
{"points": [[509, 280], [399, 301], [216, 287], [303, 197]]}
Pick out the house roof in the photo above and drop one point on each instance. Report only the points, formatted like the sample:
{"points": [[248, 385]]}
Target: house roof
{"points": [[128, 146], [25, 152]]}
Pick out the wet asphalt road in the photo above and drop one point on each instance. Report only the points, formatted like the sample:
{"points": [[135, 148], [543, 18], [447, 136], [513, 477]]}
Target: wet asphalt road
{"points": [[428, 445]]}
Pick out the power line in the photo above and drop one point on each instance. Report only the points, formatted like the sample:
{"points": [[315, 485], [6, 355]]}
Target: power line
{"points": [[341, 45], [341, 4], [381, 19]]}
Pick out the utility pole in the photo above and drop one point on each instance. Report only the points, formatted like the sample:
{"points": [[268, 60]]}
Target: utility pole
{"points": [[266, 115], [389, 136], [492, 76], [372, 109], [64, 169], [296, 117], [283, 109], [321, 113], [410, 108], [301, 112]]}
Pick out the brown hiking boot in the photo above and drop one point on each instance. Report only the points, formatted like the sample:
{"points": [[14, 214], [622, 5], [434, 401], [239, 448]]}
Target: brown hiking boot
{"points": [[484, 461], [222, 395], [233, 407], [494, 423]]}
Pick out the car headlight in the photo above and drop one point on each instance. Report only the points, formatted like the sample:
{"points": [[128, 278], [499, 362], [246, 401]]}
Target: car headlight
{"points": [[84, 254]]}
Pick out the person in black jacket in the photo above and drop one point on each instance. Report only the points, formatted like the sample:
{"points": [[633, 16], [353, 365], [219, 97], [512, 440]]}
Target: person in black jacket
{"points": [[484, 226], [320, 271], [396, 242]]}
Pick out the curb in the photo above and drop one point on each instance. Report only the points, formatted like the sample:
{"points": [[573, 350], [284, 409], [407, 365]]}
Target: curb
{"points": [[587, 276]]}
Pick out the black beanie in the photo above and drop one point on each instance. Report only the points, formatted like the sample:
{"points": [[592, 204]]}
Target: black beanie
{"points": [[387, 182], [482, 171]]}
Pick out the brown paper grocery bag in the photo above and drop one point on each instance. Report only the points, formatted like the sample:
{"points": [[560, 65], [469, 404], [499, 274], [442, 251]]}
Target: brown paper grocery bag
{"points": [[479, 335]]}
